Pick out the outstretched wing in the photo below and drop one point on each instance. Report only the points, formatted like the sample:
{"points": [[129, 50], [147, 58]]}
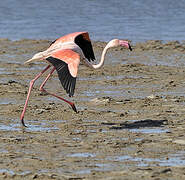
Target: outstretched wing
{"points": [[83, 41], [66, 63]]}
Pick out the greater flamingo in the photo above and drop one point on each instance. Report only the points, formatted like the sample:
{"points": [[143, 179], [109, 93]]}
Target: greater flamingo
{"points": [[64, 55]]}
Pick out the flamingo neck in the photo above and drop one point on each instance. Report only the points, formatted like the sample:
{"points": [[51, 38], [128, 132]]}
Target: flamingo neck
{"points": [[101, 63]]}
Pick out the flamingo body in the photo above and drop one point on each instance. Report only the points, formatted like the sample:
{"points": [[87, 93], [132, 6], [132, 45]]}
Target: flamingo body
{"points": [[71, 37], [64, 55]]}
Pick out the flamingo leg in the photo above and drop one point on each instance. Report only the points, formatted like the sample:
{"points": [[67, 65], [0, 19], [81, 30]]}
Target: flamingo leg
{"points": [[43, 90], [29, 91]]}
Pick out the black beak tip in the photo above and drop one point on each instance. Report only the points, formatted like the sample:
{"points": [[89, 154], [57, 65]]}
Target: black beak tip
{"points": [[130, 48]]}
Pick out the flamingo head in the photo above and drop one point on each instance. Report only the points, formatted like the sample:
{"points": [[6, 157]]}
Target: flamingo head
{"points": [[117, 42]]}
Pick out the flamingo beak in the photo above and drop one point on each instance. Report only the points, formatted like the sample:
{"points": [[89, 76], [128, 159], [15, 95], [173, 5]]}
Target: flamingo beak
{"points": [[125, 44], [129, 47]]}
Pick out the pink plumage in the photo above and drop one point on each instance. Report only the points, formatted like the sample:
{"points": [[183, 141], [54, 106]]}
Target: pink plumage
{"points": [[64, 55]]}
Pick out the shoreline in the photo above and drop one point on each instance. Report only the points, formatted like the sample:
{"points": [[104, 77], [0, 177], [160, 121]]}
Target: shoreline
{"points": [[139, 46]]}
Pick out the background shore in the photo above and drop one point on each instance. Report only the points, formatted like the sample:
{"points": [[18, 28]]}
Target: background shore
{"points": [[131, 119]]}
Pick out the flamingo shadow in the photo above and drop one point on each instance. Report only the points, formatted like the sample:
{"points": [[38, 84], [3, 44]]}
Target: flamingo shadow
{"points": [[137, 124]]}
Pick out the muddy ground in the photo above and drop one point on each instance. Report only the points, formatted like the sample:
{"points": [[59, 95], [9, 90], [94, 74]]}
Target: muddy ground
{"points": [[130, 122]]}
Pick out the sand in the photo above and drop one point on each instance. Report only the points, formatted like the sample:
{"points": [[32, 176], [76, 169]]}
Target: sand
{"points": [[130, 122]]}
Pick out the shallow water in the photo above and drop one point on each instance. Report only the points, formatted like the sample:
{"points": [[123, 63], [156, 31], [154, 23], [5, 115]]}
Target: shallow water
{"points": [[173, 160], [10, 127], [81, 155], [149, 130], [135, 20], [7, 101]]}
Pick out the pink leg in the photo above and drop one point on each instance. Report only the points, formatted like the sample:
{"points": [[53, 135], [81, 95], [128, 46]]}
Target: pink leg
{"points": [[43, 90], [29, 91]]}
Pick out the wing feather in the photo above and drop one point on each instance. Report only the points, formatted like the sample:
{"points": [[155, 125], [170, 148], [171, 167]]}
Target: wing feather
{"points": [[84, 43], [61, 60]]}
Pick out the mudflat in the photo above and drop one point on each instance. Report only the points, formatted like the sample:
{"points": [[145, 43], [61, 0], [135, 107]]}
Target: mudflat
{"points": [[130, 122]]}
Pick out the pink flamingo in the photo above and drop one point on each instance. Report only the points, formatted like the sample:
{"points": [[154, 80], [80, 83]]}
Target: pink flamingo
{"points": [[64, 55]]}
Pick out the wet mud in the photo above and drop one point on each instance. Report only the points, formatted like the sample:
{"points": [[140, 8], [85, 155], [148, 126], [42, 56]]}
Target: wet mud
{"points": [[130, 122]]}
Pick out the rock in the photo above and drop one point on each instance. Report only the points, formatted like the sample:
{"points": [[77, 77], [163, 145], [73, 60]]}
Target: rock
{"points": [[179, 141]]}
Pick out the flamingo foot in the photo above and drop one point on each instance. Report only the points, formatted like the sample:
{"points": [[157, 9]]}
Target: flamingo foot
{"points": [[74, 107], [22, 121]]}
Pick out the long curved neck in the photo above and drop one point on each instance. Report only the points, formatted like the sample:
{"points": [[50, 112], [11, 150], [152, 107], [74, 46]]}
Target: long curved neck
{"points": [[100, 64]]}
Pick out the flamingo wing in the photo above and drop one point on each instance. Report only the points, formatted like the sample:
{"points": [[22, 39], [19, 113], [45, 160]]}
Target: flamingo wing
{"points": [[66, 62], [83, 41]]}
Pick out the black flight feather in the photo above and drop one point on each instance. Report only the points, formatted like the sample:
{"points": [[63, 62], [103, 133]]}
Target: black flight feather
{"points": [[67, 80], [86, 47]]}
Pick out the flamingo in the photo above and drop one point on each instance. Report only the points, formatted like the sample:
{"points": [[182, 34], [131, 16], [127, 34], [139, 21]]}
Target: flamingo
{"points": [[64, 56]]}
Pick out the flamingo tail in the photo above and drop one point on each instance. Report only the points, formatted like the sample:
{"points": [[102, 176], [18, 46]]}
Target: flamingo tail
{"points": [[37, 57]]}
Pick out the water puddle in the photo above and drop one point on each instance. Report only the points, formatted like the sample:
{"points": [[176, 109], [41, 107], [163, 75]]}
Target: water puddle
{"points": [[10, 127], [24, 173], [7, 101], [104, 166], [173, 160], [97, 167], [103, 92], [6, 79], [76, 139], [28, 68], [84, 171], [3, 150], [7, 171], [4, 71], [92, 131], [42, 127], [138, 139], [10, 58], [179, 92], [83, 155], [11, 172], [118, 91], [149, 131], [177, 159]]}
